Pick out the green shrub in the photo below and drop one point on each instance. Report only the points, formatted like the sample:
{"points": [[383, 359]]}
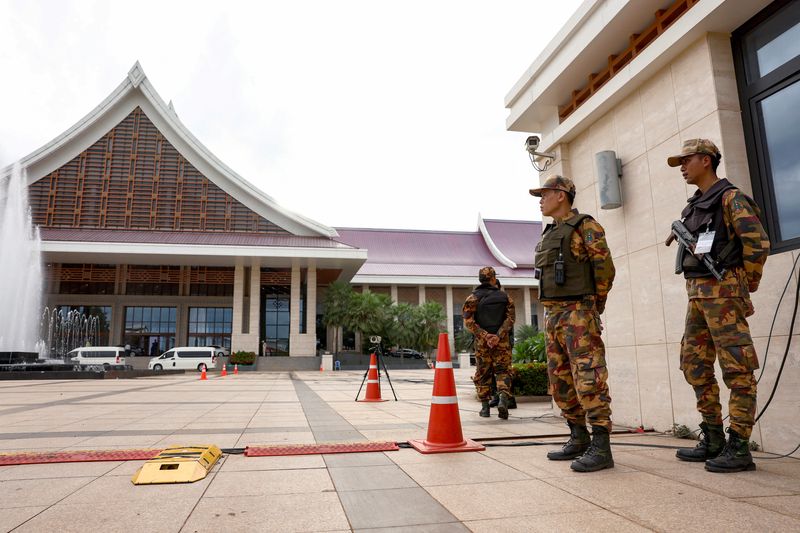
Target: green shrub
{"points": [[525, 331], [530, 379], [242, 358], [530, 350]]}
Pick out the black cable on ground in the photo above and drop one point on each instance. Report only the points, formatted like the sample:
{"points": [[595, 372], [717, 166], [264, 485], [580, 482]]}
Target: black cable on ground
{"points": [[788, 341]]}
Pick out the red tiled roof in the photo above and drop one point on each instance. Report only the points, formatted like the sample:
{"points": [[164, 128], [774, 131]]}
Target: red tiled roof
{"points": [[182, 237]]}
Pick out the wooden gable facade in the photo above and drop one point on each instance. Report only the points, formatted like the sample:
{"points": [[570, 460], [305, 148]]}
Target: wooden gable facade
{"points": [[134, 179]]}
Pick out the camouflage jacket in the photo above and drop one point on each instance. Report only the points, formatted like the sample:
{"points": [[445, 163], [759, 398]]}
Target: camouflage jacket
{"points": [[468, 312], [742, 222]]}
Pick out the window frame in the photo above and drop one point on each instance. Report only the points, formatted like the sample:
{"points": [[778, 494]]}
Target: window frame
{"points": [[750, 96]]}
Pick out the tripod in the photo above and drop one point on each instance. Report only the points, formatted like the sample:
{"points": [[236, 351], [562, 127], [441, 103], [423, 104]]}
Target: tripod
{"points": [[378, 351]]}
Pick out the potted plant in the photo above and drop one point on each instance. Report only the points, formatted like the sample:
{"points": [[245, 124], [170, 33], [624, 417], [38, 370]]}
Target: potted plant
{"points": [[244, 359]]}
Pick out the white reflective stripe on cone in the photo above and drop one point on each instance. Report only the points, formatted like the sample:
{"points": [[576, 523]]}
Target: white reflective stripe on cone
{"points": [[373, 381], [373, 366], [444, 364], [444, 399]]}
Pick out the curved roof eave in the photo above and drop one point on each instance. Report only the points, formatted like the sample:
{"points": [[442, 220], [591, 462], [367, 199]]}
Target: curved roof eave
{"points": [[135, 91], [500, 256]]}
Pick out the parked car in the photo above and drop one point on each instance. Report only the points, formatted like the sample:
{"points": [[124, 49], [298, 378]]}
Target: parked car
{"points": [[185, 358], [407, 352], [221, 351], [98, 355]]}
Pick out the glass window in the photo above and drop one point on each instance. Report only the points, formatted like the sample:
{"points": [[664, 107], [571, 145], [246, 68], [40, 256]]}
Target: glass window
{"points": [[149, 330], [767, 60], [210, 326]]}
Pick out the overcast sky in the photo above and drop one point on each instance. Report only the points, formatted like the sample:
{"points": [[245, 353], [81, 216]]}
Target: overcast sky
{"points": [[353, 113]]}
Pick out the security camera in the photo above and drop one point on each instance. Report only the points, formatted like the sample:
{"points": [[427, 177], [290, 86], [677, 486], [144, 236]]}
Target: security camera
{"points": [[532, 144]]}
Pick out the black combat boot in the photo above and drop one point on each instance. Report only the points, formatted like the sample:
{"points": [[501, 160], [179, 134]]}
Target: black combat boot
{"points": [[512, 402], [598, 456], [735, 457], [712, 440], [502, 407], [484, 409], [495, 400], [577, 444]]}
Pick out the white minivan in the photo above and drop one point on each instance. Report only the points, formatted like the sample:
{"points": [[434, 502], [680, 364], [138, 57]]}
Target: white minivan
{"points": [[98, 355], [186, 358]]}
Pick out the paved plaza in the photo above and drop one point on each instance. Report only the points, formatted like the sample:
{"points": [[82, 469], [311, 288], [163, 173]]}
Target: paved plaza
{"points": [[505, 488]]}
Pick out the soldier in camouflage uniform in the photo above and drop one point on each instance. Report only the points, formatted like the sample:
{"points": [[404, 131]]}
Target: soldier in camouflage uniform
{"points": [[489, 314], [726, 223], [575, 275]]}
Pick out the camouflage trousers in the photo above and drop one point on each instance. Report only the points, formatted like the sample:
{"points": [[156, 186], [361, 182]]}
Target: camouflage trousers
{"points": [[492, 363], [576, 364], [716, 328]]}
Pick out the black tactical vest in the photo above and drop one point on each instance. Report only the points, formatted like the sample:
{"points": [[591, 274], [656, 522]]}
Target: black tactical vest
{"points": [[555, 246], [702, 214], [491, 310]]}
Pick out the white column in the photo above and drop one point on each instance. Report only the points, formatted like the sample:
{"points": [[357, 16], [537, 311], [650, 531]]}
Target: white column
{"points": [[364, 288], [421, 294], [449, 311], [255, 304], [393, 288], [311, 302], [294, 310], [238, 301], [526, 298]]}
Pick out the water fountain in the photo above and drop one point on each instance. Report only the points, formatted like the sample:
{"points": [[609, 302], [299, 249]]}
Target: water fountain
{"points": [[20, 272]]}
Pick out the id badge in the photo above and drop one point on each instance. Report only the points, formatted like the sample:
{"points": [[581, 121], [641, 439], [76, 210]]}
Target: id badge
{"points": [[704, 242]]}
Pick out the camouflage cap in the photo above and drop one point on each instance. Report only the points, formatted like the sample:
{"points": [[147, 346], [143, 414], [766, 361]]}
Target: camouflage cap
{"points": [[487, 273], [556, 183], [694, 146]]}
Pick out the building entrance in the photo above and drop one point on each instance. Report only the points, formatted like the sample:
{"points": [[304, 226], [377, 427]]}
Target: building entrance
{"points": [[275, 318]]}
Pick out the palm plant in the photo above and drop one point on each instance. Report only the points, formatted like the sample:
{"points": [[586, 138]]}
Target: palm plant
{"points": [[337, 303]]}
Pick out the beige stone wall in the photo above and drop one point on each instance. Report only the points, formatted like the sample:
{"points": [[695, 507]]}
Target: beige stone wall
{"points": [[694, 96]]}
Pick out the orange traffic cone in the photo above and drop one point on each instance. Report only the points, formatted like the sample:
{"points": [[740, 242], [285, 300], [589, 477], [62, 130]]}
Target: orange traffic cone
{"points": [[224, 370], [373, 383], [235, 369], [203, 374], [444, 424]]}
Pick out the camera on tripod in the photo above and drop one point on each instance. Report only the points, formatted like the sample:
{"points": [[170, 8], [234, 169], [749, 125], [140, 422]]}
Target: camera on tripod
{"points": [[375, 339]]}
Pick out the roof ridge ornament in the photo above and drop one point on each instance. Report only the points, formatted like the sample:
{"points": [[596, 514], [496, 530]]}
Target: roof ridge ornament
{"points": [[136, 74]]}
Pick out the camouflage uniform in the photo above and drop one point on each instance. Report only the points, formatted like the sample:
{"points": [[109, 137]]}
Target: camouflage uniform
{"points": [[490, 361], [716, 323], [576, 361]]}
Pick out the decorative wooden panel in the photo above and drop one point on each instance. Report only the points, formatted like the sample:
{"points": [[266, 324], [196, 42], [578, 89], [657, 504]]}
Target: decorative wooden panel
{"points": [[212, 276], [133, 178], [664, 18], [153, 274], [276, 277]]}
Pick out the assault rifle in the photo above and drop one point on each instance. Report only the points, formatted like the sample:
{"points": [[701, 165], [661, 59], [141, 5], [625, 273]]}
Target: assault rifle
{"points": [[687, 241]]}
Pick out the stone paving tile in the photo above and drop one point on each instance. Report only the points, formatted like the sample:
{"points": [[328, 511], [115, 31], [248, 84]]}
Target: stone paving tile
{"points": [[282, 512], [720, 514], [57, 470], [11, 518], [392, 508], [340, 460], [115, 517], [240, 463], [452, 527], [787, 505], [267, 482], [475, 468], [478, 501], [370, 478], [630, 489], [121, 489], [599, 521], [39, 492]]}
